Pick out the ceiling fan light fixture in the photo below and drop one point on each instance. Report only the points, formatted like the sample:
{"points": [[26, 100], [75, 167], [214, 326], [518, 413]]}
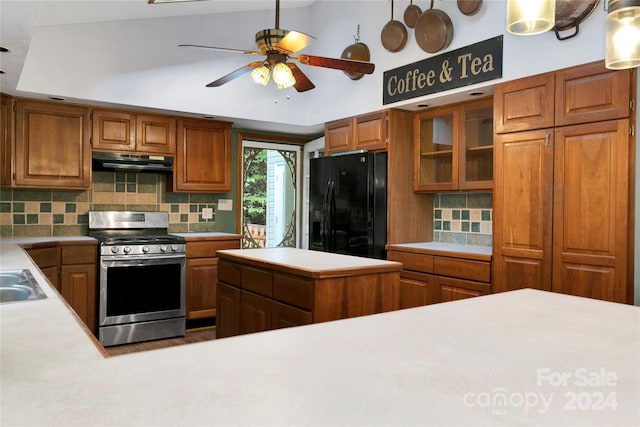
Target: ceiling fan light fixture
{"points": [[623, 34], [261, 75], [529, 17], [282, 76]]}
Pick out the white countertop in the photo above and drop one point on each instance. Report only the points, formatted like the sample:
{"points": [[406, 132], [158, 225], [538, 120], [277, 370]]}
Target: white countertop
{"points": [[308, 260], [438, 364], [446, 247], [44, 240], [206, 234]]}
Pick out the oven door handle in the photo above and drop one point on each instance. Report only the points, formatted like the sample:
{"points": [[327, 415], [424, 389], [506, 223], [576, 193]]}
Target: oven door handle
{"points": [[142, 258]]}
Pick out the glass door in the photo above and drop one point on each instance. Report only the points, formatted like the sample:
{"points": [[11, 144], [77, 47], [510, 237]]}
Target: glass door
{"points": [[270, 211]]}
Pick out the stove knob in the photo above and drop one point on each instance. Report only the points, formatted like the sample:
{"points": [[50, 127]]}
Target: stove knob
{"points": [[163, 249], [145, 249], [127, 249], [114, 250], [174, 248]]}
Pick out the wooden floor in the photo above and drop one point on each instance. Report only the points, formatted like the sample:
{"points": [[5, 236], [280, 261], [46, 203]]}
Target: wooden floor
{"points": [[190, 337]]}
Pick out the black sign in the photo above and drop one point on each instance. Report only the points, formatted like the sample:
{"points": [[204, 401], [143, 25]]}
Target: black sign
{"points": [[479, 62]]}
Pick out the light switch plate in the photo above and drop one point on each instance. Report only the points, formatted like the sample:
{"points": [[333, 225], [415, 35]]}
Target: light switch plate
{"points": [[225, 204]]}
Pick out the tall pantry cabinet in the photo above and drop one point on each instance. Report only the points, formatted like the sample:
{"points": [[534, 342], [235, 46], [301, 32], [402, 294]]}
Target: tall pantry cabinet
{"points": [[563, 183]]}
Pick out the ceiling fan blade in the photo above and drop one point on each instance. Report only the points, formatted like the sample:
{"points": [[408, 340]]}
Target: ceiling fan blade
{"points": [[349, 65], [293, 42], [303, 83], [234, 74], [226, 49]]}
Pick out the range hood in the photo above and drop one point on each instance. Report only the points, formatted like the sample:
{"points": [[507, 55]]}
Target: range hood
{"points": [[131, 162]]}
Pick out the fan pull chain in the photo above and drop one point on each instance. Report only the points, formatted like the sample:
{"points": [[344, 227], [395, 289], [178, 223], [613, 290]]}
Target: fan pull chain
{"points": [[357, 36]]}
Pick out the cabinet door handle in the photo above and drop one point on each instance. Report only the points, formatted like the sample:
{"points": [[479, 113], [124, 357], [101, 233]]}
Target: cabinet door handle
{"points": [[547, 140]]}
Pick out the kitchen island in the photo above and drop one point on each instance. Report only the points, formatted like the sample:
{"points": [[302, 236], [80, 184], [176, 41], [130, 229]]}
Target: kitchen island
{"points": [[263, 289], [515, 358]]}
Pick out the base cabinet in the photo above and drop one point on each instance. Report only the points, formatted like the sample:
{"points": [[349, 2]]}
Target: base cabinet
{"points": [[71, 269], [428, 279], [202, 274], [257, 297]]}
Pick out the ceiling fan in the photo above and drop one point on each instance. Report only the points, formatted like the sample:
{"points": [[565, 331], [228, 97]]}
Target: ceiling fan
{"points": [[278, 45]]}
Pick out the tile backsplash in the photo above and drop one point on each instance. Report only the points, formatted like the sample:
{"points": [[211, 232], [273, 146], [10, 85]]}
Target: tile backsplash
{"points": [[26, 212], [464, 218]]}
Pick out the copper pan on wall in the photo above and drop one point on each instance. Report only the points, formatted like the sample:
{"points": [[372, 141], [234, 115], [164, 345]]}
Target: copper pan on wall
{"points": [[469, 7], [394, 34], [570, 13], [434, 30]]}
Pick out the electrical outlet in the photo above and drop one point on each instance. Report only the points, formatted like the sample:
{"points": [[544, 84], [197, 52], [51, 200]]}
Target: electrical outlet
{"points": [[207, 213]]}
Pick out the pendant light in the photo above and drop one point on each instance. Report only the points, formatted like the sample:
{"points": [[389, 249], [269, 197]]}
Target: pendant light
{"points": [[528, 17], [623, 34]]}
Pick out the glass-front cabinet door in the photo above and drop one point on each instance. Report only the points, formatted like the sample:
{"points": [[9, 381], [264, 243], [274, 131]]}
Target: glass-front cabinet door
{"points": [[435, 151], [453, 147], [476, 158]]}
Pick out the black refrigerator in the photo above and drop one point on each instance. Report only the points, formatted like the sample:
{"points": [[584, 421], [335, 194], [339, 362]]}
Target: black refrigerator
{"points": [[348, 204]]}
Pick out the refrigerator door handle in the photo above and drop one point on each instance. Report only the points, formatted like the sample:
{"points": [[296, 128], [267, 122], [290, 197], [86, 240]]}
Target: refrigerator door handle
{"points": [[324, 226], [332, 217]]}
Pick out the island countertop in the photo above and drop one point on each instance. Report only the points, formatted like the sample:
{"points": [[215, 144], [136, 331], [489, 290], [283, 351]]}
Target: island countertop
{"points": [[310, 263], [454, 250]]}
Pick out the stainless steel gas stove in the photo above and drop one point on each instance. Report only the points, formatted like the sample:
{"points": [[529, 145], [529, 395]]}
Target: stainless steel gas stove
{"points": [[142, 285]]}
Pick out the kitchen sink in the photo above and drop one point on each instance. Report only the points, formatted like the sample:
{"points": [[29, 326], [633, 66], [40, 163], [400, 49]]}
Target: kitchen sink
{"points": [[19, 285]]}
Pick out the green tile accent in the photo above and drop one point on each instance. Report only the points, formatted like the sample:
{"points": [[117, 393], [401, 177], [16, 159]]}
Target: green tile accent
{"points": [[70, 207], [70, 196], [142, 208], [455, 214], [464, 226], [184, 217], [32, 218], [147, 178], [45, 207], [178, 228], [31, 230], [70, 230], [486, 215], [83, 219], [437, 225], [193, 208], [466, 214], [480, 239], [475, 227], [104, 187], [18, 206], [103, 177], [436, 201], [460, 238], [6, 230], [446, 225], [6, 194], [120, 188], [201, 227], [121, 177], [19, 219], [5, 207], [131, 177], [175, 208], [58, 218], [31, 195], [453, 201], [146, 188], [107, 207], [175, 198], [203, 198], [131, 188], [437, 213], [480, 201]]}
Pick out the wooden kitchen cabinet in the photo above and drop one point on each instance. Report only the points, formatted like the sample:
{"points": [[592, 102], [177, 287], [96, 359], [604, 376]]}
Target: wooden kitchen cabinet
{"points": [[116, 130], [202, 273], [266, 289], [581, 94], [6, 139], [203, 157], [569, 230], [72, 270], [453, 147], [52, 146], [431, 276], [48, 261], [364, 132]]}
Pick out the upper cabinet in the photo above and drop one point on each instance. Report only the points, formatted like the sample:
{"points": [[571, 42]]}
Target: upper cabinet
{"points": [[115, 130], [365, 132], [203, 157], [52, 145], [6, 139], [582, 94], [453, 147]]}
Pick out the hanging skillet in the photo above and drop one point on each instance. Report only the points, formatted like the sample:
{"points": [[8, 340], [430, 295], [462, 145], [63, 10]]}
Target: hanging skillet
{"points": [[434, 30], [570, 13], [394, 34], [411, 14], [469, 7]]}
